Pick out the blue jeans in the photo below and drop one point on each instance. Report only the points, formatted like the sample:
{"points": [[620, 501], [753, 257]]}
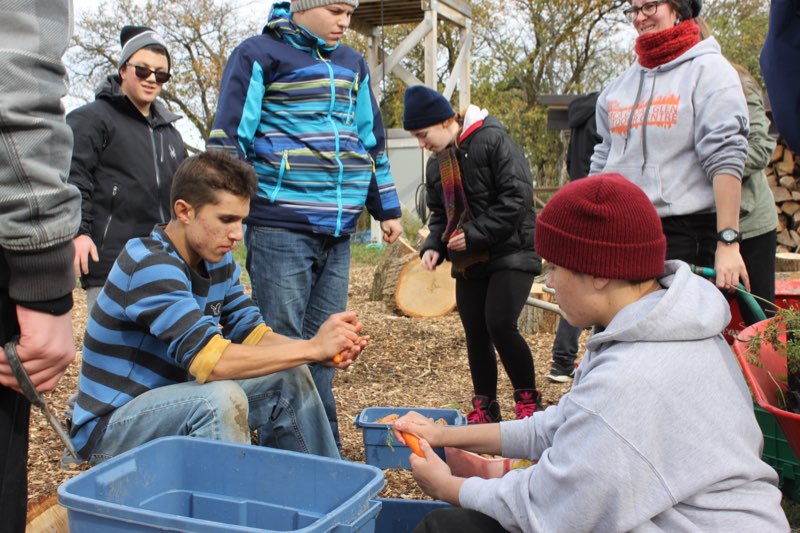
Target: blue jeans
{"points": [[565, 346], [299, 279], [283, 407]]}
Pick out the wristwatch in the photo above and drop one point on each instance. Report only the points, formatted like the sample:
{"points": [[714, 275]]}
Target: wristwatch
{"points": [[729, 236]]}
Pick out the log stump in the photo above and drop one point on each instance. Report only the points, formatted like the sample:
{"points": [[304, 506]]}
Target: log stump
{"points": [[534, 320]]}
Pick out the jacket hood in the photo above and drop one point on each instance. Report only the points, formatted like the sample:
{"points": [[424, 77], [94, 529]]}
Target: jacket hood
{"points": [[281, 23], [109, 90], [704, 47], [669, 315]]}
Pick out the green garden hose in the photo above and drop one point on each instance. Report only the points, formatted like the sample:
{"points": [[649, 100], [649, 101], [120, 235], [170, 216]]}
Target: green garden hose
{"points": [[744, 297]]}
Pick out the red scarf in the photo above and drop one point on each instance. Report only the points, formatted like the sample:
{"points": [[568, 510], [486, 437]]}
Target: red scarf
{"points": [[657, 48]]}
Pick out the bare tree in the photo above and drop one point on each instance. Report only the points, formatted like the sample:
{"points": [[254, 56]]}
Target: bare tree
{"points": [[201, 36]]}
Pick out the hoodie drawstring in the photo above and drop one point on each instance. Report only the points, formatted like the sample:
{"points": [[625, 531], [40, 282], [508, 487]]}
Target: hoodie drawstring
{"points": [[644, 123], [633, 110]]}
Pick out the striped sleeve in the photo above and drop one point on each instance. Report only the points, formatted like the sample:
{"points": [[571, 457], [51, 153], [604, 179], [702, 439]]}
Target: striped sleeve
{"points": [[159, 299], [382, 200], [239, 103]]}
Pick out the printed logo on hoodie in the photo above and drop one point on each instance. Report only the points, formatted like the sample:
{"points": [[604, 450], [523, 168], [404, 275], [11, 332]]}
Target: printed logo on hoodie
{"points": [[663, 113]]}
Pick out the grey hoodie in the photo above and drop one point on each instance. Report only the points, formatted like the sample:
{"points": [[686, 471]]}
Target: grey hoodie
{"points": [[657, 433], [672, 128]]}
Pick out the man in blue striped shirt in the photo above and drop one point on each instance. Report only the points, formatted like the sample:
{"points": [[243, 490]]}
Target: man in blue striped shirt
{"points": [[174, 346], [297, 105]]}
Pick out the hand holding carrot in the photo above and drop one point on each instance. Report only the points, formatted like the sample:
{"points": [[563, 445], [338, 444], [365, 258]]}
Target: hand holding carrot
{"points": [[419, 427], [338, 338]]}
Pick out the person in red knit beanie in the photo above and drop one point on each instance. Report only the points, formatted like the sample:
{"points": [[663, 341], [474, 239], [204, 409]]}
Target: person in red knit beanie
{"points": [[657, 431]]}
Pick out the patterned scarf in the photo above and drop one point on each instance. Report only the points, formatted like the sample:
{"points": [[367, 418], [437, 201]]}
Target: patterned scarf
{"points": [[663, 46], [456, 207]]}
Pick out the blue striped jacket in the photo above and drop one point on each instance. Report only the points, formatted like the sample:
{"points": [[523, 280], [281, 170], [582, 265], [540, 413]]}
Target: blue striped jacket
{"points": [[304, 115], [151, 320]]}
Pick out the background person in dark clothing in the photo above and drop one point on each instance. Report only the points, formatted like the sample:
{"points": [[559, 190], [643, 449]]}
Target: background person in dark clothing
{"points": [[479, 191], [126, 151], [38, 218], [583, 138]]}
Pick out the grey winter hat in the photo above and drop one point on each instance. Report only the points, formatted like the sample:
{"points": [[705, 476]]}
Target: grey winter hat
{"points": [[302, 5], [134, 38]]}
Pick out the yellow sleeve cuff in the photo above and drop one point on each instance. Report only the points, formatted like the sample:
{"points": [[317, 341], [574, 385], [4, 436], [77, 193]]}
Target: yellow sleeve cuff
{"points": [[256, 335], [205, 361]]}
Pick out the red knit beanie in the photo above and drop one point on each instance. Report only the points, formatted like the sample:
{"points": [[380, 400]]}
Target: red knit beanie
{"points": [[605, 226]]}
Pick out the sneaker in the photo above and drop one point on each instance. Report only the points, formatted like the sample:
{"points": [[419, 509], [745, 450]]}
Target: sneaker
{"points": [[561, 373], [485, 410], [528, 401]]}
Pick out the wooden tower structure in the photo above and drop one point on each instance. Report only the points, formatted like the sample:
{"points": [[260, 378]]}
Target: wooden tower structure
{"points": [[372, 15]]}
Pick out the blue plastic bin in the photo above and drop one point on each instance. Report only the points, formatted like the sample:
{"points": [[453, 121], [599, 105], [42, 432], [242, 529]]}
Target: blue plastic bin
{"points": [[381, 449], [402, 516], [207, 486]]}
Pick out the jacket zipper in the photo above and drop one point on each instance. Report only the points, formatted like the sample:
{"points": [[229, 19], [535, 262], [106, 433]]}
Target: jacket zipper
{"points": [[158, 177], [285, 166], [110, 215], [339, 206]]}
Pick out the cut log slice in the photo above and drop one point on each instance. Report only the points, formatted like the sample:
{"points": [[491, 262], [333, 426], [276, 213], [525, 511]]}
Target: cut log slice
{"points": [[787, 262], [422, 293]]}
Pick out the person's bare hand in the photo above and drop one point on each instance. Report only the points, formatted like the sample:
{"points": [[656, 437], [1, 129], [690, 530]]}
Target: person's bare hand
{"points": [[392, 229], [339, 336], [730, 268], [430, 259], [434, 476], [46, 348], [457, 241], [419, 425], [84, 248]]}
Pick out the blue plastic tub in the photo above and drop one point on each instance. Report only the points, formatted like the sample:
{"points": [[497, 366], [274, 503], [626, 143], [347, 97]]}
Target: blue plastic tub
{"points": [[207, 486], [381, 449], [402, 516]]}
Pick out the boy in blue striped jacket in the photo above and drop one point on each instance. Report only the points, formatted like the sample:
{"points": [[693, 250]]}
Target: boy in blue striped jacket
{"points": [[174, 346], [297, 105]]}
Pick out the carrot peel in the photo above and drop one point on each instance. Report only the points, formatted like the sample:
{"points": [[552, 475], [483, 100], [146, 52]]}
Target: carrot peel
{"points": [[413, 442]]}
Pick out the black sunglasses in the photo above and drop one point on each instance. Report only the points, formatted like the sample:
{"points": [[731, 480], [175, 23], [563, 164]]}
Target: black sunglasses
{"points": [[144, 73]]}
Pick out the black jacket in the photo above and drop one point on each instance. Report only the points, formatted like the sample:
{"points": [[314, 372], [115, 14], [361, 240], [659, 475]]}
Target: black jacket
{"points": [[499, 188], [583, 135], [123, 164]]}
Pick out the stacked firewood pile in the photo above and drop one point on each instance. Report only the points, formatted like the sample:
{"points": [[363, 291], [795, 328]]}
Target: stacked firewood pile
{"points": [[783, 176]]}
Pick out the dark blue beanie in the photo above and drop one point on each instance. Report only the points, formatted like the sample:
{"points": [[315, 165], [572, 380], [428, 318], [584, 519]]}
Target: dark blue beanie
{"points": [[424, 107]]}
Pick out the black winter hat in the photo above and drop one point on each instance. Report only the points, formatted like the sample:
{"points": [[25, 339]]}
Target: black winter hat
{"points": [[134, 38], [424, 107], [690, 9]]}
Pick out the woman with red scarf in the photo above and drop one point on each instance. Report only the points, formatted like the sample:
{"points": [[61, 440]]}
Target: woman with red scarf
{"points": [[675, 123], [479, 190]]}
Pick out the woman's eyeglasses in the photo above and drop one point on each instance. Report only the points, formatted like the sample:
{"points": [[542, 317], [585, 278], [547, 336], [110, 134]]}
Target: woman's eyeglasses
{"points": [[144, 73], [648, 9]]}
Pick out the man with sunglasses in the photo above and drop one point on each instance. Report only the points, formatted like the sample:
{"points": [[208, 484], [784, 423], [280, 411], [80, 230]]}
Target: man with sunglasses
{"points": [[126, 151]]}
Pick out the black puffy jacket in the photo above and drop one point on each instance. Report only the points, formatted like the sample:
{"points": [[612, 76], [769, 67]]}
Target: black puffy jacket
{"points": [[122, 163], [499, 188]]}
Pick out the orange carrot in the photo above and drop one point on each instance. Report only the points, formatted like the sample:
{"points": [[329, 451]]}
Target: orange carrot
{"points": [[338, 358], [413, 443]]}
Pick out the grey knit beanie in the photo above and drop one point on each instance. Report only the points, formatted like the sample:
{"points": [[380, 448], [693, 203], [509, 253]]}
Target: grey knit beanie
{"points": [[134, 38], [303, 5]]}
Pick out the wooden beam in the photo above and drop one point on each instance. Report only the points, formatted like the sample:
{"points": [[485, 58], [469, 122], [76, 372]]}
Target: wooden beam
{"points": [[464, 85], [451, 14], [431, 49], [458, 67], [420, 32]]}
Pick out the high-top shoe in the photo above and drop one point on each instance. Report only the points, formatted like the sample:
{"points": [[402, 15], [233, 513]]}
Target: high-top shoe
{"points": [[485, 410], [527, 401]]}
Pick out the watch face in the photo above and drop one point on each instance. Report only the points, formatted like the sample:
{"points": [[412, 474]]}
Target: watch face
{"points": [[728, 235]]}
